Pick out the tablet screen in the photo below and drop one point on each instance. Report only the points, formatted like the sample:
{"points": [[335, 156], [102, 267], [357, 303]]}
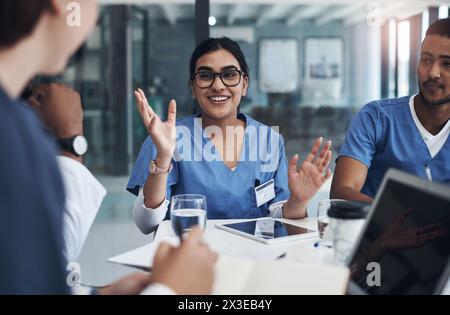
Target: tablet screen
{"points": [[268, 228]]}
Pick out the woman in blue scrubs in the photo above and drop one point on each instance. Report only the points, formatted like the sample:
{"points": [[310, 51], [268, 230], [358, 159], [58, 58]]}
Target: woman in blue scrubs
{"points": [[235, 161]]}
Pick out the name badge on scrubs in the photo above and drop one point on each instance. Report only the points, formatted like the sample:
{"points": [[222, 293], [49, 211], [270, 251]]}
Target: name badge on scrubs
{"points": [[265, 192]]}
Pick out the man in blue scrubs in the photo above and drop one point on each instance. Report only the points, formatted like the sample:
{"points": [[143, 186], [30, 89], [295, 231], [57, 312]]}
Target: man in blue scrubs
{"points": [[408, 133]]}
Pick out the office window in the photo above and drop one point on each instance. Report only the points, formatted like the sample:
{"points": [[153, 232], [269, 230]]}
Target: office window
{"points": [[425, 23], [335, 74], [392, 59], [145, 46], [403, 57], [443, 11]]}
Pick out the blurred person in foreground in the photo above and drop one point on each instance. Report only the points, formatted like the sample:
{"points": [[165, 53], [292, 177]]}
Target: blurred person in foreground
{"points": [[35, 38]]}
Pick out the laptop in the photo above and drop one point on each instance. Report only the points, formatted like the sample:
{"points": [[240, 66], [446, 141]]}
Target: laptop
{"points": [[404, 247]]}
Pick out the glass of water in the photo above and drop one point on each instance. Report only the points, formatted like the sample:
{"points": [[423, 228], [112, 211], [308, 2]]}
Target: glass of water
{"points": [[323, 221], [187, 211]]}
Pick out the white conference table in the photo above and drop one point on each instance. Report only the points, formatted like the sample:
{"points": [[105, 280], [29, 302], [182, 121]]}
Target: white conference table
{"points": [[230, 244]]}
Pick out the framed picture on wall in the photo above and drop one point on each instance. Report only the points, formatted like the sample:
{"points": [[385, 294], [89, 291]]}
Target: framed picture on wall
{"points": [[323, 68], [278, 65]]}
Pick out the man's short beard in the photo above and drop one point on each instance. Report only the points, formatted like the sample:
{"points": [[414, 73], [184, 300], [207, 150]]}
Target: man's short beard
{"points": [[439, 102]]}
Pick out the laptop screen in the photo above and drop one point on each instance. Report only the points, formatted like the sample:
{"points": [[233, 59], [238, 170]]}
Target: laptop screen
{"points": [[406, 245]]}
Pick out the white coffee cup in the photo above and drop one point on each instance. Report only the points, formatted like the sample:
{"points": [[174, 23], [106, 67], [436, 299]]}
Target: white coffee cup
{"points": [[347, 219]]}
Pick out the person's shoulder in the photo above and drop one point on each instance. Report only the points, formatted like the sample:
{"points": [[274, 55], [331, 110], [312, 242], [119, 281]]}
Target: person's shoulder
{"points": [[11, 106], [187, 120], [387, 104], [19, 113]]}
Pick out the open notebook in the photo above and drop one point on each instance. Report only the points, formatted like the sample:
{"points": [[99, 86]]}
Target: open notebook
{"points": [[249, 277], [235, 276]]}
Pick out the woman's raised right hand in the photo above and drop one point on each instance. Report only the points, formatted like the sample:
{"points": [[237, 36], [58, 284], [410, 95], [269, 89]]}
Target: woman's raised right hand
{"points": [[162, 133]]}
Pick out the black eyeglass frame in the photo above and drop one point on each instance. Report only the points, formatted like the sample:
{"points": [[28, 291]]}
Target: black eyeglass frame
{"points": [[215, 75]]}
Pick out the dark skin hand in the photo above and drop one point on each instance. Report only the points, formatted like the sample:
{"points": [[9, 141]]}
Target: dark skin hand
{"points": [[60, 109]]}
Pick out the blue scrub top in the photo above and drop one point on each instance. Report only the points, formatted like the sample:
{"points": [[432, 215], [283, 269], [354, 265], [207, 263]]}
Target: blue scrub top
{"points": [[229, 194], [383, 135], [31, 205]]}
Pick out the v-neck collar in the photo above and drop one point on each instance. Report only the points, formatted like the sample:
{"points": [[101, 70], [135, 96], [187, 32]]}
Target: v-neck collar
{"points": [[418, 134], [419, 125], [218, 157]]}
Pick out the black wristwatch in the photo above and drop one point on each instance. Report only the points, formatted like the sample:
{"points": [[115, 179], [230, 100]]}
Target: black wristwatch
{"points": [[77, 145]]}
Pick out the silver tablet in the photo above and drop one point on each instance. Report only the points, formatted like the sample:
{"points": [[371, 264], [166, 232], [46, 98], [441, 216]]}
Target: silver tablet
{"points": [[268, 230]]}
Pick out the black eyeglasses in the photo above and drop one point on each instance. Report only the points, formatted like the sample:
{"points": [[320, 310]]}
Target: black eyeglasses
{"points": [[205, 79]]}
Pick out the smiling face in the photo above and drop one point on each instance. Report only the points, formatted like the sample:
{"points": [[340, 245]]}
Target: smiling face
{"points": [[434, 70], [219, 101]]}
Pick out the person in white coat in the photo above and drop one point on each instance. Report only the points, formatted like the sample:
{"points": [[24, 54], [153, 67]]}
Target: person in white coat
{"points": [[84, 193]]}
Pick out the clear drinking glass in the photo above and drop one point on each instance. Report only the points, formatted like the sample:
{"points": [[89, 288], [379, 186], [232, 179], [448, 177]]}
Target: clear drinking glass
{"points": [[323, 221], [186, 211]]}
